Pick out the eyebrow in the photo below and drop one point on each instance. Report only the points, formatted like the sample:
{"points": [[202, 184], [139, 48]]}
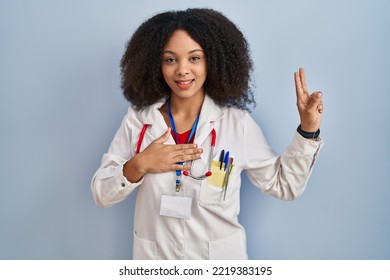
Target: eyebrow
{"points": [[172, 52]]}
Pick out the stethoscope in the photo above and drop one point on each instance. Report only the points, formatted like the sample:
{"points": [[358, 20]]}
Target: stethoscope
{"points": [[185, 172], [208, 173]]}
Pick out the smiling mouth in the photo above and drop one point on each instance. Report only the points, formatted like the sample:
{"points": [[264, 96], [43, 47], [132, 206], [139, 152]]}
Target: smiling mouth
{"points": [[184, 84]]}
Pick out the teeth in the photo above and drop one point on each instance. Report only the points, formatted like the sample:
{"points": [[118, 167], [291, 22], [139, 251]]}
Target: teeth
{"points": [[184, 83]]}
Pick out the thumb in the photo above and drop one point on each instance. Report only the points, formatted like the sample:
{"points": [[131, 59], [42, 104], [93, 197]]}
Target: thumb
{"points": [[315, 101], [164, 137]]}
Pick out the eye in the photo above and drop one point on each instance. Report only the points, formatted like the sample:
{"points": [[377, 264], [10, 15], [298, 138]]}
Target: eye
{"points": [[195, 58], [169, 59]]}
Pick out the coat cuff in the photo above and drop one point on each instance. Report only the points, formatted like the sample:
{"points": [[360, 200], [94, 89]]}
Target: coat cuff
{"points": [[122, 184], [306, 146]]}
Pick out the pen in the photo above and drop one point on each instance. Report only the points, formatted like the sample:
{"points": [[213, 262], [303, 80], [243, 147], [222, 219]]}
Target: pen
{"points": [[226, 160], [225, 178], [229, 170], [221, 158]]}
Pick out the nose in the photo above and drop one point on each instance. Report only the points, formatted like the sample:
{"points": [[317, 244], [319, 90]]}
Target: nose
{"points": [[183, 68]]}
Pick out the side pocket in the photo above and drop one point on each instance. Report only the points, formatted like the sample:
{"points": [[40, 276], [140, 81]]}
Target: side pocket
{"points": [[144, 249], [231, 248]]}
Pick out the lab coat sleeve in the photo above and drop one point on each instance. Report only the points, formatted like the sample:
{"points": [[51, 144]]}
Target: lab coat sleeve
{"points": [[109, 186], [285, 176]]}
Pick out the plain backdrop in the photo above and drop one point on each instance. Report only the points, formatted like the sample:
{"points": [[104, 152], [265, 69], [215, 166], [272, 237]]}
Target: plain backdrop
{"points": [[61, 104]]}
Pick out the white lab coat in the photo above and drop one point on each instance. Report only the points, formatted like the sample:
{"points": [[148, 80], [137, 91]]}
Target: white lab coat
{"points": [[213, 231]]}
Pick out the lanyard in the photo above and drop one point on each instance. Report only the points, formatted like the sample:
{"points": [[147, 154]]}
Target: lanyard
{"points": [[172, 122], [193, 129]]}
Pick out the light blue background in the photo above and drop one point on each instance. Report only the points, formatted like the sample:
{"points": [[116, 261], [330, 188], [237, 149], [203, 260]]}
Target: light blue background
{"points": [[61, 104]]}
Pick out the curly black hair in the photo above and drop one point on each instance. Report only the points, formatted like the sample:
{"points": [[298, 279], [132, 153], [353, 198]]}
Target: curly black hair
{"points": [[229, 65]]}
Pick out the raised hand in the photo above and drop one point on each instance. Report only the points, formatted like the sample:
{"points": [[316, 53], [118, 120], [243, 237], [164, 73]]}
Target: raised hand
{"points": [[310, 106]]}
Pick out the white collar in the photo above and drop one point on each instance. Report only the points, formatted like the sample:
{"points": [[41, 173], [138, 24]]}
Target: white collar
{"points": [[210, 113]]}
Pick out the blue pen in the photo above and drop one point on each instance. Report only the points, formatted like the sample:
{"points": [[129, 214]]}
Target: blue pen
{"points": [[226, 161]]}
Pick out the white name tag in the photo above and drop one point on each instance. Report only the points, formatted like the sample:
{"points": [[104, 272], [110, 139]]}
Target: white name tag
{"points": [[176, 206]]}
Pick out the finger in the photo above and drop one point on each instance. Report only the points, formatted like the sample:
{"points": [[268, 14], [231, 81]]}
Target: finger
{"points": [[183, 157], [180, 167], [302, 97], [192, 151], [163, 137], [303, 80], [181, 147], [180, 153], [179, 158], [186, 166], [315, 101], [320, 108]]}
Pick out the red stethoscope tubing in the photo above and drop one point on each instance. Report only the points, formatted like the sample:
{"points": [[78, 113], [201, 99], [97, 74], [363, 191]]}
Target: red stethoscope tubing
{"points": [[141, 138], [185, 173]]}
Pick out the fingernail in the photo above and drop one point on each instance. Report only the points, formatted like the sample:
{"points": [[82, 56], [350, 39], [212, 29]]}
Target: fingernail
{"points": [[319, 94]]}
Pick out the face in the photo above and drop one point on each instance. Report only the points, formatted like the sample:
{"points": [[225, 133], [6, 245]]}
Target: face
{"points": [[184, 65]]}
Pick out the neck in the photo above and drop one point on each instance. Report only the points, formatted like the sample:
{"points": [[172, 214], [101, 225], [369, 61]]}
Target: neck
{"points": [[186, 107], [184, 111]]}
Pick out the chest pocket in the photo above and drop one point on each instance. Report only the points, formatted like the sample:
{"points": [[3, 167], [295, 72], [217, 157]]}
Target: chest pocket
{"points": [[215, 189]]}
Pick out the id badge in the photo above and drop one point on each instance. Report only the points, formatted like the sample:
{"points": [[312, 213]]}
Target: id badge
{"points": [[176, 206]]}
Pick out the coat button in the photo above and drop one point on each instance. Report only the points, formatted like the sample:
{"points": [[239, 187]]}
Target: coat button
{"points": [[123, 185]]}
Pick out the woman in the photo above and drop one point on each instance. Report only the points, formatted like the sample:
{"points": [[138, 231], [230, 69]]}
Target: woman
{"points": [[188, 136]]}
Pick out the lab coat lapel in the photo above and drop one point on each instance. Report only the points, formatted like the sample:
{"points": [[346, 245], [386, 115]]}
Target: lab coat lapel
{"points": [[209, 114], [157, 126]]}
